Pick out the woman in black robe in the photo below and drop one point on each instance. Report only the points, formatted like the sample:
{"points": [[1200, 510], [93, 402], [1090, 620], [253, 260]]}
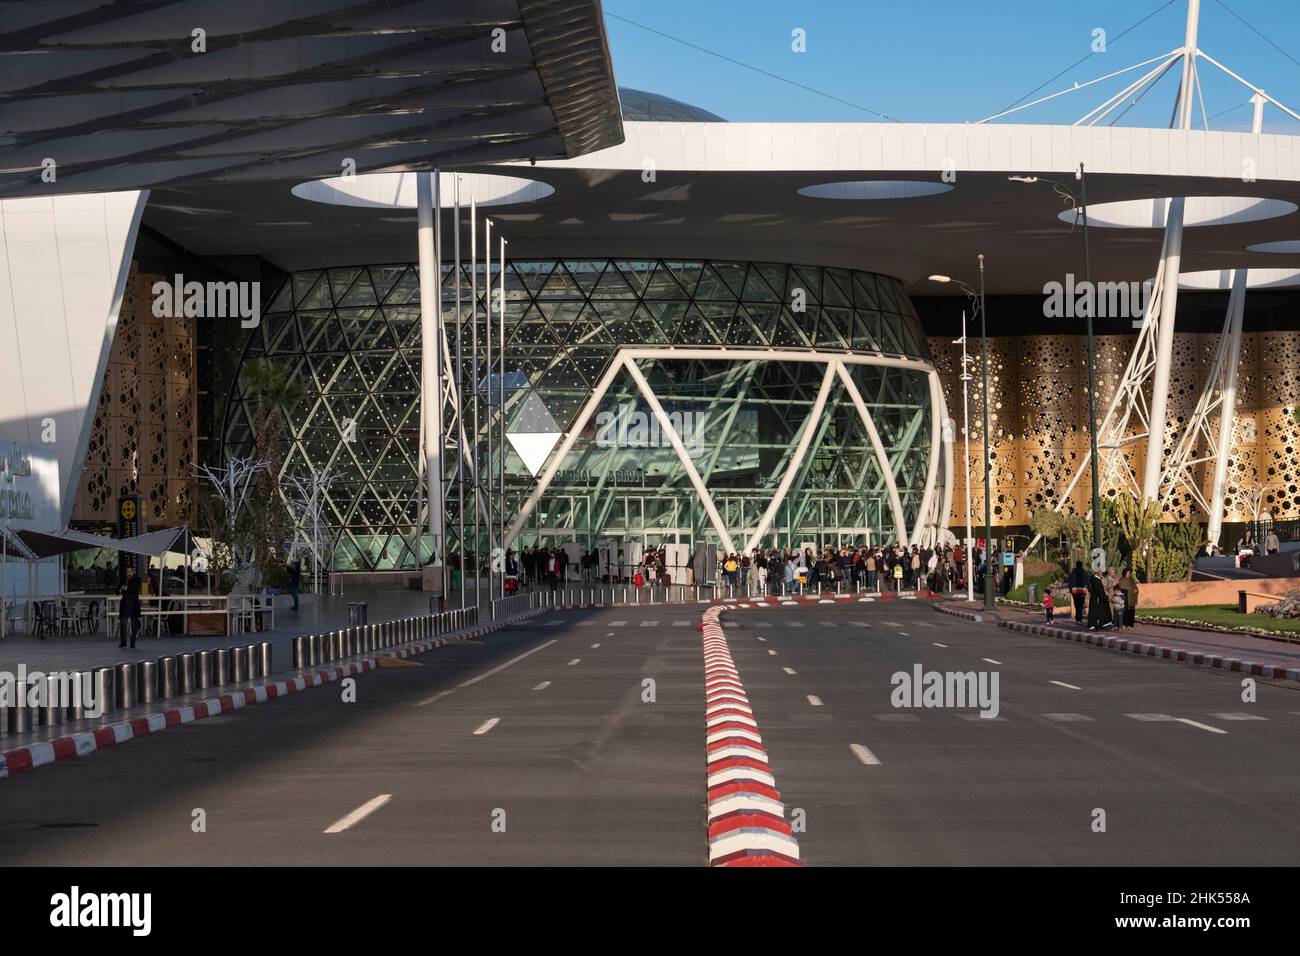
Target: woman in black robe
{"points": [[1099, 615]]}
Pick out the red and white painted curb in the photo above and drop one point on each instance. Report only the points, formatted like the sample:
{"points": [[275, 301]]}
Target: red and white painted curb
{"points": [[36, 755], [1146, 649], [747, 825]]}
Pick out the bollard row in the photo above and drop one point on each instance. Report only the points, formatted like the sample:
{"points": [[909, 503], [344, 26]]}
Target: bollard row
{"points": [[312, 650], [68, 696]]}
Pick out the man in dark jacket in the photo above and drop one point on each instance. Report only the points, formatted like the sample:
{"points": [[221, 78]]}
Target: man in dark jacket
{"points": [[129, 610]]}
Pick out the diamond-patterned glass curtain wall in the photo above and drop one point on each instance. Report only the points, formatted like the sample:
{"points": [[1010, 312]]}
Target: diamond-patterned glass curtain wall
{"points": [[352, 337]]}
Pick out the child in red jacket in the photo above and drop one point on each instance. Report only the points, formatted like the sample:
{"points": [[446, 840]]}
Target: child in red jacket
{"points": [[1049, 605]]}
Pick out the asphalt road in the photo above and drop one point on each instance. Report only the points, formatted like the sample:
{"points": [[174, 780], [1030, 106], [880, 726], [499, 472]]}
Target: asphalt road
{"points": [[536, 747]]}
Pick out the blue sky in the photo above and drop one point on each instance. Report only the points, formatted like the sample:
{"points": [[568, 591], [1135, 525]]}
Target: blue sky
{"points": [[948, 60]]}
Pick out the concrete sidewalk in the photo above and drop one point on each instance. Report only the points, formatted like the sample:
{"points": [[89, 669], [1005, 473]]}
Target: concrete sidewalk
{"points": [[1223, 646], [327, 613]]}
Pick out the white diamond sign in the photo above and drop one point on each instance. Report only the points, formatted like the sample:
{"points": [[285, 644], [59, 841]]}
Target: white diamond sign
{"points": [[533, 434]]}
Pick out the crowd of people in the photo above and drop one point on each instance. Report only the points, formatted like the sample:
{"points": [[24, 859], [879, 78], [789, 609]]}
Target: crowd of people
{"points": [[897, 567], [775, 571]]}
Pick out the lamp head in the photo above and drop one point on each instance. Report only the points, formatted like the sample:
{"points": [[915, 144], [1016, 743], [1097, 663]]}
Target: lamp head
{"points": [[1023, 179], [938, 278]]}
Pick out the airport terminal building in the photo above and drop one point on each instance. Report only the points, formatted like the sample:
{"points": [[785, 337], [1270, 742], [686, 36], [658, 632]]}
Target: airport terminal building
{"points": [[704, 332]]}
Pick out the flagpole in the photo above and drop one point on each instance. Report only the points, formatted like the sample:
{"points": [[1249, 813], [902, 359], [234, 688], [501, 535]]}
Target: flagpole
{"points": [[487, 376], [501, 393], [473, 332], [460, 406]]}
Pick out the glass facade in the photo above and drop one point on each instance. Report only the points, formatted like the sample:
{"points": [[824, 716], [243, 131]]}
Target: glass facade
{"points": [[352, 337]]}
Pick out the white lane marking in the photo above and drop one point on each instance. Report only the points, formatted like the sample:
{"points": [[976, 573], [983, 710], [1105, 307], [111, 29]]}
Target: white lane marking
{"points": [[772, 652], [763, 639], [1066, 718], [925, 623], [1061, 683], [815, 701], [486, 726], [429, 700], [681, 623], [940, 645], [1200, 726], [649, 623], [617, 623], [610, 634], [360, 813], [859, 623], [594, 646], [796, 623], [1149, 717], [904, 633], [865, 755], [574, 661], [762, 623], [543, 685], [891, 623], [829, 624], [790, 670], [989, 660], [1238, 715], [514, 660]]}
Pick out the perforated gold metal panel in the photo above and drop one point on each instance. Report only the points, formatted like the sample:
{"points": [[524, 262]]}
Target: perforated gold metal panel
{"points": [[1039, 413], [144, 434]]}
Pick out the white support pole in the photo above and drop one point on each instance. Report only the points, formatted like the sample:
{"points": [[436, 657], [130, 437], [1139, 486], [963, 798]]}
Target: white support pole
{"points": [[877, 446], [431, 355], [474, 425], [1228, 401], [937, 411], [1228, 397], [801, 449], [1169, 293], [666, 428]]}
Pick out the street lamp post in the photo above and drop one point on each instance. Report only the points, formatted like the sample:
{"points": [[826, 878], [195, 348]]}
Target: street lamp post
{"points": [[978, 298], [965, 424], [988, 464], [1080, 205]]}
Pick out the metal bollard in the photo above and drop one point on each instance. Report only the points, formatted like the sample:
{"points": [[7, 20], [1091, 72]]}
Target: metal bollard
{"points": [[235, 655], [202, 670], [252, 661], [185, 672], [124, 684], [46, 713], [79, 690], [265, 656], [299, 652], [146, 681], [220, 667], [327, 647], [167, 673], [313, 650], [340, 644], [18, 720]]}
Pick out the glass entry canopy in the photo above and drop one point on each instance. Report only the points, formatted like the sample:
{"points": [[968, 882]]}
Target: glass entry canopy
{"points": [[761, 373]]}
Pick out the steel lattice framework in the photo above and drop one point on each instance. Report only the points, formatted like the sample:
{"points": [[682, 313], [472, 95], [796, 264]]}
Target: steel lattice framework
{"points": [[799, 385]]}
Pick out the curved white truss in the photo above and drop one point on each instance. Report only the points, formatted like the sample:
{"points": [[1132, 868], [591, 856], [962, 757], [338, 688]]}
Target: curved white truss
{"points": [[836, 366]]}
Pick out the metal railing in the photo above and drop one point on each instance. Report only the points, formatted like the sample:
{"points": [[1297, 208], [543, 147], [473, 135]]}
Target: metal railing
{"points": [[629, 595]]}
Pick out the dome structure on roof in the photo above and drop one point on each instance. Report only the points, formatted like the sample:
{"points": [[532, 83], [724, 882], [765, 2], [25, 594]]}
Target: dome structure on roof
{"points": [[638, 105]]}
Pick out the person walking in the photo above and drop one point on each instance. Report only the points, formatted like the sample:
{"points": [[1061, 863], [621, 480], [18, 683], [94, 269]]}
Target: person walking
{"points": [[295, 580], [1078, 585], [1271, 543], [129, 609], [1099, 616], [1129, 585]]}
